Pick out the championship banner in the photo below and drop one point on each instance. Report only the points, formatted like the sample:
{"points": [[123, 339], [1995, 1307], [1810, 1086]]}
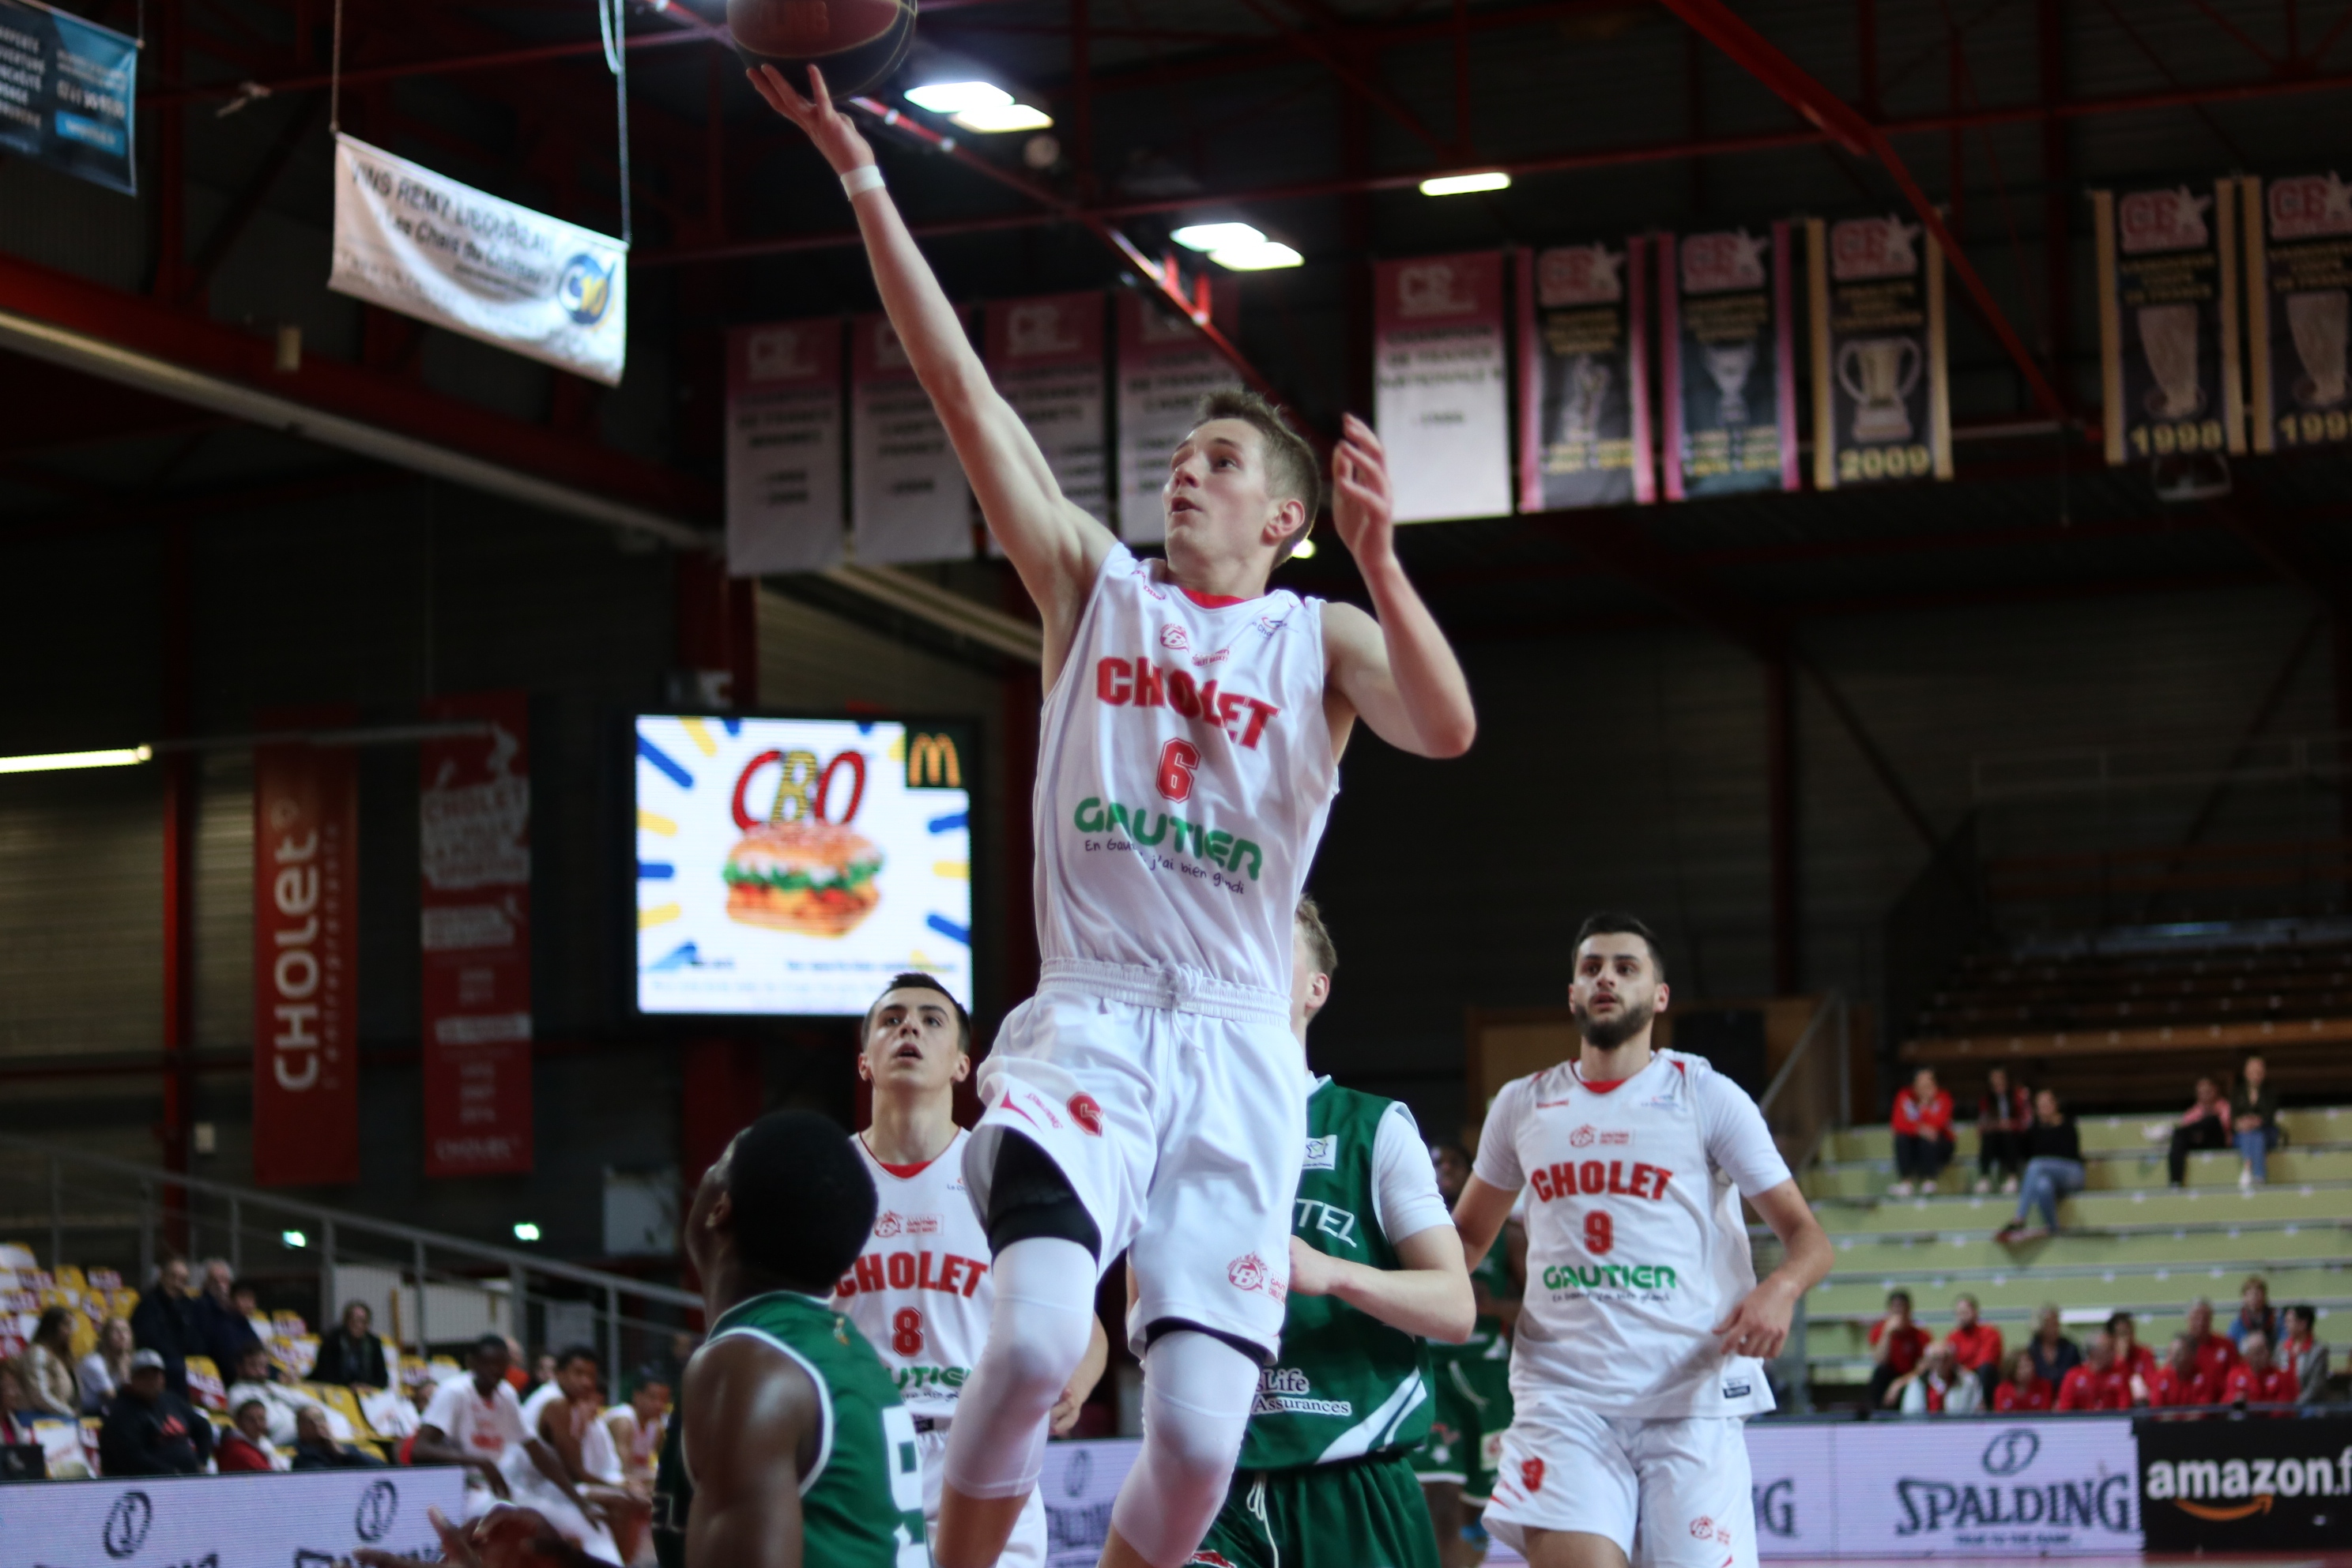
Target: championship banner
{"points": [[1165, 366], [306, 931], [2168, 321], [1882, 387], [908, 499], [783, 448], [311, 1519], [1585, 378], [66, 94], [1441, 400], [1046, 355], [1730, 378], [422, 244], [474, 838], [2260, 1484], [2298, 284]]}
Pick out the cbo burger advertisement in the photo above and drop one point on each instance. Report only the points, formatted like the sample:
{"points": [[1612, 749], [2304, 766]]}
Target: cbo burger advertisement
{"points": [[2262, 1483]]}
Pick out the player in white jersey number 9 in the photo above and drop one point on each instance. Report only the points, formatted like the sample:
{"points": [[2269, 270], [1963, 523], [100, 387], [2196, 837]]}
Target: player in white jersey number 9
{"points": [[1643, 1332]]}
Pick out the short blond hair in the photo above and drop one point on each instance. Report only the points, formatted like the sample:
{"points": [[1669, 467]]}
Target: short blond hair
{"points": [[1291, 471], [1319, 946]]}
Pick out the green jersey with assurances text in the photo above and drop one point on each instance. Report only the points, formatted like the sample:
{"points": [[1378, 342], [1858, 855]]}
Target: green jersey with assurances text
{"points": [[862, 1501], [1347, 1385]]}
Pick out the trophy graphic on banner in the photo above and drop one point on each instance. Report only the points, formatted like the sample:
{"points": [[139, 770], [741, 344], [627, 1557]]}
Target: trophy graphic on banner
{"points": [[2316, 321], [1587, 393], [1878, 373], [2168, 336], [1728, 365]]}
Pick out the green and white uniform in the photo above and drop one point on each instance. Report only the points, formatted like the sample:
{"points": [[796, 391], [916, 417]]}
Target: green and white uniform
{"points": [[1472, 1384], [1324, 1480], [862, 1501]]}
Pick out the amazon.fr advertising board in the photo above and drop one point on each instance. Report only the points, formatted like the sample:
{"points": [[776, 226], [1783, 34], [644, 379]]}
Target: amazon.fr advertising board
{"points": [[2265, 1483]]}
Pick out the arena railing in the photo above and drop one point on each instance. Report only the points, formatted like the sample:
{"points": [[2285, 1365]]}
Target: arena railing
{"points": [[95, 1210]]}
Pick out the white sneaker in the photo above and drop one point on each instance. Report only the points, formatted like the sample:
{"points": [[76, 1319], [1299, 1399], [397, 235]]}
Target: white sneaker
{"points": [[2009, 1188], [1984, 1185], [1926, 1186], [2245, 1175], [1899, 1190]]}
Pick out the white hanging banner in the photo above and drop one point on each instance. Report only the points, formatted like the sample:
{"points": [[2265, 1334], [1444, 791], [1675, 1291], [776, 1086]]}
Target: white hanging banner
{"points": [[1165, 366], [1441, 400], [1046, 357], [783, 448], [420, 243], [909, 497]]}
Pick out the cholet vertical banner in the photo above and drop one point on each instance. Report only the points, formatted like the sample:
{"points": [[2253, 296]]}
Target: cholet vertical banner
{"points": [[2168, 378], [1881, 398], [1441, 400], [1046, 356], [2299, 310], [1584, 386], [1730, 380], [909, 500], [474, 838], [783, 448], [305, 931], [1165, 367]]}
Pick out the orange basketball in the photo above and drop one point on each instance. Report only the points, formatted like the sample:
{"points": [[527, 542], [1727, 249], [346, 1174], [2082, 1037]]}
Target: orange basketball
{"points": [[856, 42]]}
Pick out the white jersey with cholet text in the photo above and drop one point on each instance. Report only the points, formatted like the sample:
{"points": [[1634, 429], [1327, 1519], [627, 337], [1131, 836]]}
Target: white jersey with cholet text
{"points": [[1637, 1248], [1184, 772], [920, 1291]]}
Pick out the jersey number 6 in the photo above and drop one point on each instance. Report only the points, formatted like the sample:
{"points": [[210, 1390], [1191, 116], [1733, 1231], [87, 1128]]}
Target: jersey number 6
{"points": [[1178, 759]]}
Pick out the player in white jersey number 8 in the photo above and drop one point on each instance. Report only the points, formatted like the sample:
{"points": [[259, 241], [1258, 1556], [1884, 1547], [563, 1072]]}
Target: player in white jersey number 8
{"points": [[1643, 1332], [1147, 1098]]}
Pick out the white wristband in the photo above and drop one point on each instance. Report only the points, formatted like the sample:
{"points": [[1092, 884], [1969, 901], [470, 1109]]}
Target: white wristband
{"points": [[864, 178]]}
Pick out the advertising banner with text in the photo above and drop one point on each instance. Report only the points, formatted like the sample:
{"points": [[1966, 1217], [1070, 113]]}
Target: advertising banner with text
{"points": [[66, 94], [1882, 395], [1046, 355], [1165, 366], [2167, 263], [1441, 401], [1730, 383], [1585, 377], [2260, 1484], [2299, 310], [310, 1519], [783, 447], [909, 500], [474, 836], [306, 929]]}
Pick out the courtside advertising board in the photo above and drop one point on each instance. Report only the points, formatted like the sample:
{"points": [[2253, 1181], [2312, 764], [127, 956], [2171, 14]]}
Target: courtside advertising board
{"points": [[789, 867]]}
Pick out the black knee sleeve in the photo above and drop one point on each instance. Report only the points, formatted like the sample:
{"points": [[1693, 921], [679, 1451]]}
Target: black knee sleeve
{"points": [[1028, 1198], [1250, 1348]]}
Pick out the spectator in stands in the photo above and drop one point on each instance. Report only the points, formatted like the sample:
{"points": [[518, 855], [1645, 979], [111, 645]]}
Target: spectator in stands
{"points": [[2204, 1125], [315, 1448], [543, 1374], [246, 1447], [2054, 1169], [257, 1377], [1976, 1345], [2023, 1387], [148, 1430], [1923, 1134], [2003, 1113], [2098, 1383], [2302, 1354], [2181, 1381], [352, 1355], [2215, 1355], [103, 1370], [221, 1327], [2255, 1313], [1897, 1342], [16, 1411], [2253, 1118], [2054, 1355], [2254, 1380], [1939, 1385], [2133, 1358], [47, 1366], [164, 1322]]}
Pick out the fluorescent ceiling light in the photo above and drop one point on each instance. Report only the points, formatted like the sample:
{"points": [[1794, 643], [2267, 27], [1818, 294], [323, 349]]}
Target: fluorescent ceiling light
{"points": [[1217, 236], [957, 96], [990, 121], [1257, 257], [294, 1238], [55, 760], [1463, 184], [526, 1231], [1304, 551]]}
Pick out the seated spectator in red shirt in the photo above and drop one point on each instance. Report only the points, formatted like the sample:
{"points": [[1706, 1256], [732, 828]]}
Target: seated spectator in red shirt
{"points": [[2022, 1389], [2215, 1355], [1898, 1343], [1923, 1134], [2255, 1379], [2098, 1383], [2181, 1381], [245, 1445], [2135, 1360], [1975, 1344]]}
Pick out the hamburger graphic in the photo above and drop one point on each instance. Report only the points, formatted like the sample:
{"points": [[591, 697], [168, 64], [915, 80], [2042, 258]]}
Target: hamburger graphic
{"points": [[814, 878]]}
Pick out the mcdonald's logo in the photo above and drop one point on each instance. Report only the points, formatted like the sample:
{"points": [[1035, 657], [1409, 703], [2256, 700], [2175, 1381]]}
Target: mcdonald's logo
{"points": [[932, 762]]}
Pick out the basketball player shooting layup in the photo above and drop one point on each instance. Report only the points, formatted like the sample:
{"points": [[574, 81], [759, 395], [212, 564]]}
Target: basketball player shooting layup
{"points": [[1150, 1093], [1642, 1334], [921, 1289]]}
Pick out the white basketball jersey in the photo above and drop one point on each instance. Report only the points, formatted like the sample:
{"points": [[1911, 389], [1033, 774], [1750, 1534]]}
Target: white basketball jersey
{"points": [[1637, 1248], [1184, 771], [920, 1291]]}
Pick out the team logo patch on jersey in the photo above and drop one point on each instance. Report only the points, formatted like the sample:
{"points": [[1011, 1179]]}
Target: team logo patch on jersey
{"points": [[1249, 1272], [1581, 1137], [1531, 1472], [888, 1224], [1086, 1113], [1323, 1153], [1701, 1528], [1172, 636]]}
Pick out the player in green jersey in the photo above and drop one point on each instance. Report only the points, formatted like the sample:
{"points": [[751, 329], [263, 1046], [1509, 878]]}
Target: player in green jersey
{"points": [[1375, 1266], [1471, 1383]]}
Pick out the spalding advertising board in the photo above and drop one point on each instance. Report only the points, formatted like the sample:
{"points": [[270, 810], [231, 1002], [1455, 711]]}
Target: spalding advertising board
{"points": [[310, 1521]]}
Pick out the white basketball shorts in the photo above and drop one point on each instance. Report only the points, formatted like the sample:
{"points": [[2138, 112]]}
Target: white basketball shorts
{"points": [[1670, 1493], [1026, 1549], [1175, 1105]]}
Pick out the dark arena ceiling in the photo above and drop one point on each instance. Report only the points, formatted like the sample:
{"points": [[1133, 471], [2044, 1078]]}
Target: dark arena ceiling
{"points": [[1313, 119]]}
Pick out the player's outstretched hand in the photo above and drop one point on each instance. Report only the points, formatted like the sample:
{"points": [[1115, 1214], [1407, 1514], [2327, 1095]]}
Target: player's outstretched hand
{"points": [[1312, 1273], [1360, 501], [456, 1551], [1758, 1326], [834, 132]]}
